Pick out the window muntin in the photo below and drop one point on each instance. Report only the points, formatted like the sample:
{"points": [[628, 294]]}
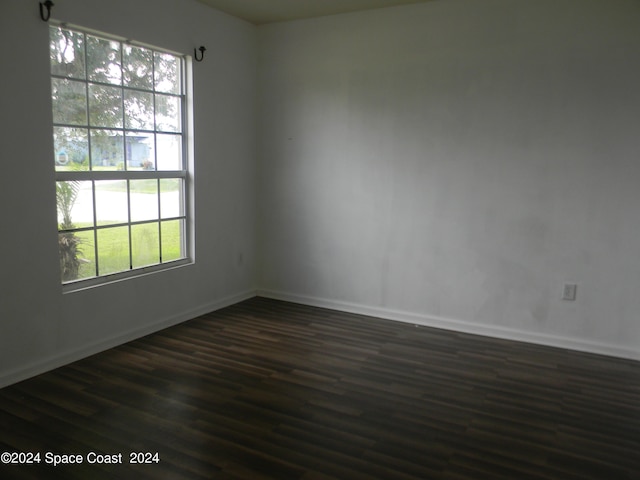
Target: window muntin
{"points": [[119, 154]]}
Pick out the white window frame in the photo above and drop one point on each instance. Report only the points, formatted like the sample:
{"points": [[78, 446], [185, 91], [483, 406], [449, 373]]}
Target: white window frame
{"points": [[185, 173]]}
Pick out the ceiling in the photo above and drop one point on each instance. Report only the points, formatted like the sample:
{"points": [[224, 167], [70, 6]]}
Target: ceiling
{"points": [[268, 11]]}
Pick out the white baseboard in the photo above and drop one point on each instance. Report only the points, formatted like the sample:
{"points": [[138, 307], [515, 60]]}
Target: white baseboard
{"points": [[59, 360], [458, 325], [46, 364]]}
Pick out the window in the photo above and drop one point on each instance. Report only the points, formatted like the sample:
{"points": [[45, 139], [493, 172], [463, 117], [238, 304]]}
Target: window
{"points": [[119, 134]]}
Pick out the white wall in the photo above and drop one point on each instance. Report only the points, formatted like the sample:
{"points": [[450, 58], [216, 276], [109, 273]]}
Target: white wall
{"points": [[453, 163], [40, 327]]}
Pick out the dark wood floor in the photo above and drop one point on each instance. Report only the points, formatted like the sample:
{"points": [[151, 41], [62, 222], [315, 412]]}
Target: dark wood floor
{"points": [[267, 389]]}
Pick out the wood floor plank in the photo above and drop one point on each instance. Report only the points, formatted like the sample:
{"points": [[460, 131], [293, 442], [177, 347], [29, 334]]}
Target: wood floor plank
{"points": [[273, 390]]}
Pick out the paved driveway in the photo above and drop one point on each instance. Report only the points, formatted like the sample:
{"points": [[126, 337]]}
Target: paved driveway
{"points": [[111, 206]]}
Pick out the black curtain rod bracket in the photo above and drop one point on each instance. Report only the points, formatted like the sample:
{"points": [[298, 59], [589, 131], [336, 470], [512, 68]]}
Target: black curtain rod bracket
{"points": [[195, 53], [48, 4]]}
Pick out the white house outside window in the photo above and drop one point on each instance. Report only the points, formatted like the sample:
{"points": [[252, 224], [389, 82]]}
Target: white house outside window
{"points": [[120, 155]]}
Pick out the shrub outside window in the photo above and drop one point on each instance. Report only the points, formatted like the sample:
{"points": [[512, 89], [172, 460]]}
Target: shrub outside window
{"points": [[119, 135]]}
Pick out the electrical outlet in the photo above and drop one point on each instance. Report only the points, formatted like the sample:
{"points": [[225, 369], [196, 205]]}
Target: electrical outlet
{"points": [[569, 292]]}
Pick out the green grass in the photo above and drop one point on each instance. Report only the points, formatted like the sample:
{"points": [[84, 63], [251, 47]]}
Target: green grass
{"points": [[143, 186], [113, 247], [135, 186], [83, 168]]}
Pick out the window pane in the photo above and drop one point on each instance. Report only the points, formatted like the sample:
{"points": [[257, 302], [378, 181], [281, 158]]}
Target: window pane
{"points": [[144, 199], [167, 73], [169, 152], [103, 57], [77, 255], [111, 202], [66, 51], [138, 109], [145, 244], [105, 106], [87, 254], [107, 150], [168, 115], [171, 198], [113, 250], [172, 232], [138, 67], [75, 204], [140, 151], [69, 100], [71, 149]]}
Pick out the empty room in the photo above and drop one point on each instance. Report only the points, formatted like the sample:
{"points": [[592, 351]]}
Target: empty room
{"points": [[320, 239]]}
